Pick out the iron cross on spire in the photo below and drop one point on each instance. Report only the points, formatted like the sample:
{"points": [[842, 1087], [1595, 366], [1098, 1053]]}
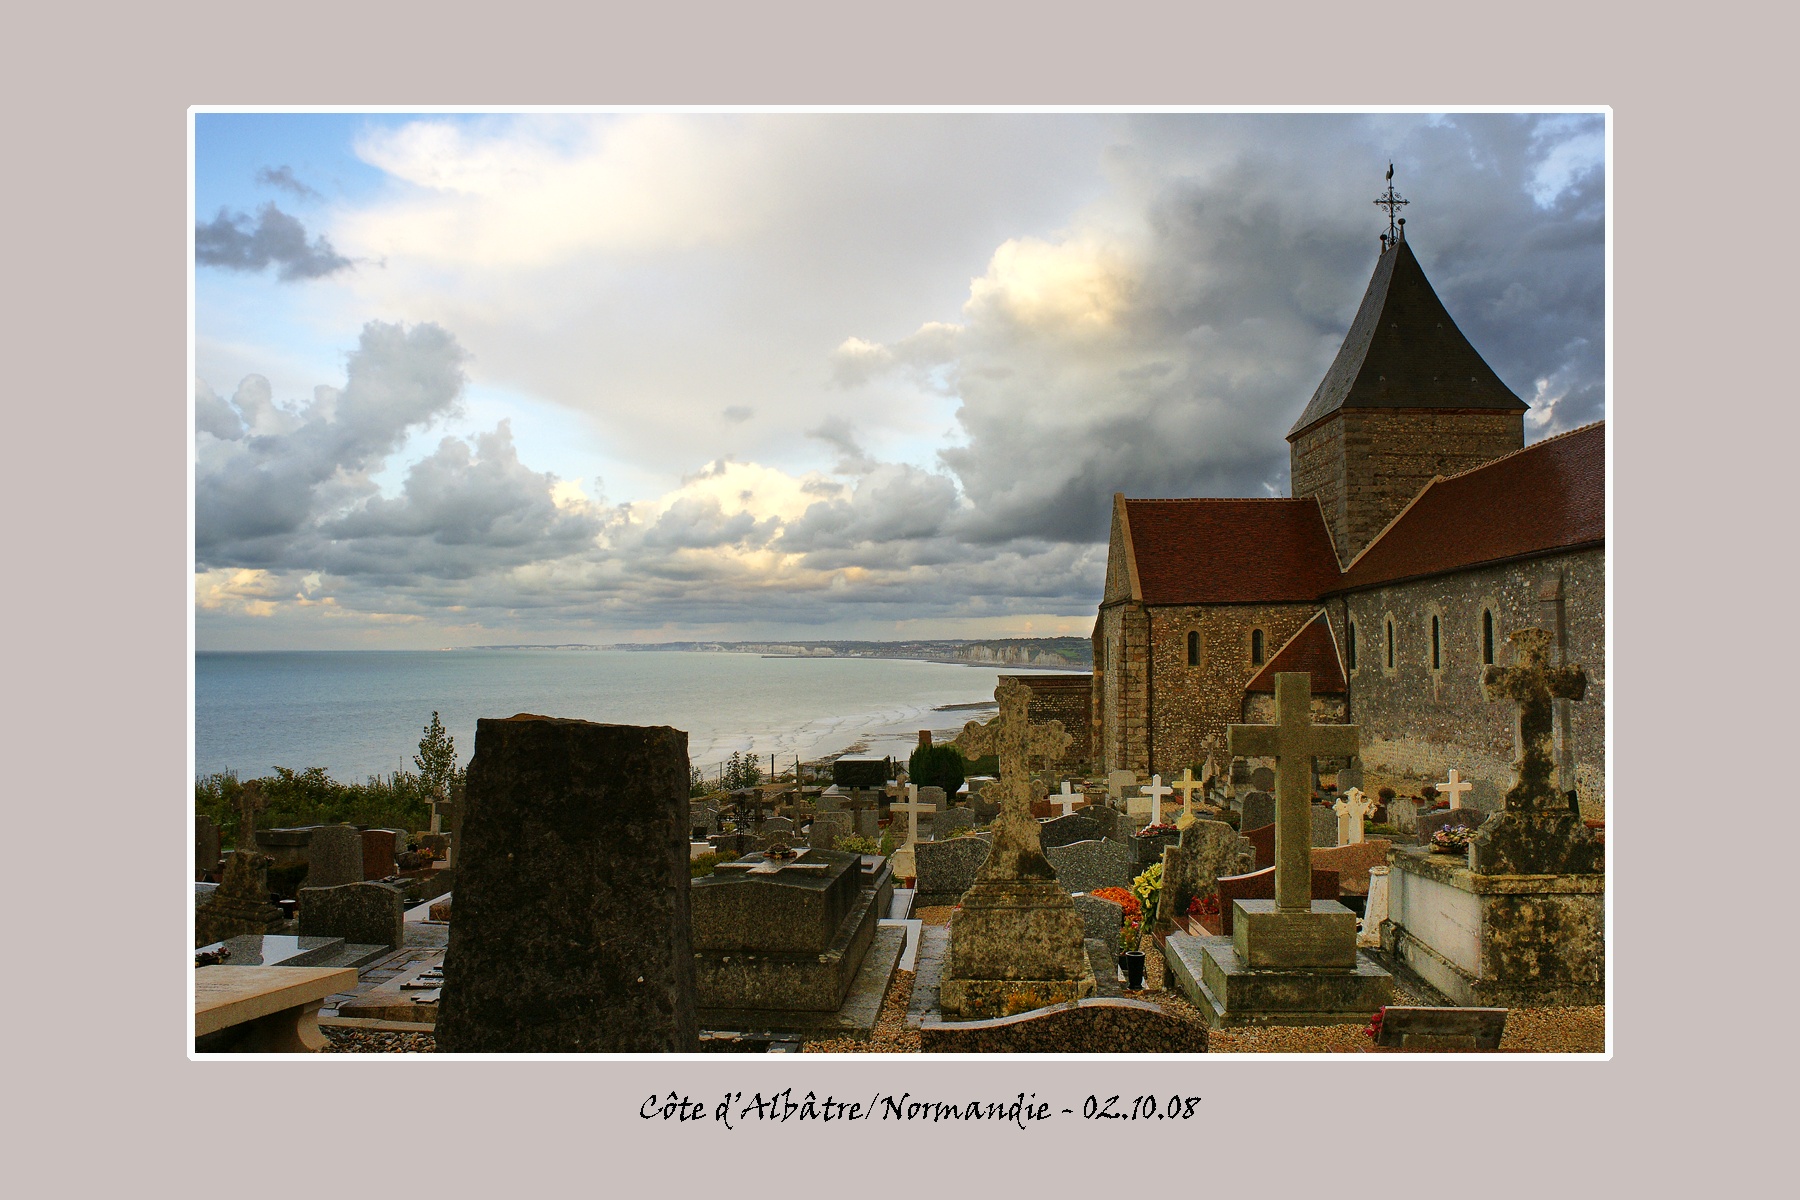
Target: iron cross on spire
{"points": [[1391, 201]]}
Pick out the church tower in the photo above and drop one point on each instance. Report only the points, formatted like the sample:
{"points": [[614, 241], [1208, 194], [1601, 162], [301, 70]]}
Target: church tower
{"points": [[1407, 398]]}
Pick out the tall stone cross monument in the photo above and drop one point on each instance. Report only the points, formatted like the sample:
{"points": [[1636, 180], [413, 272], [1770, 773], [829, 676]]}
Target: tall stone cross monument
{"points": [[1536, 834], [1293, 742], [250, 801], [1016, 941], [1187, 785], [904, 863]]}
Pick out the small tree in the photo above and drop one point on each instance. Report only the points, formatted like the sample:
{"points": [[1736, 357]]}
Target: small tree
{"points": [[937, 766], [436, 760]]}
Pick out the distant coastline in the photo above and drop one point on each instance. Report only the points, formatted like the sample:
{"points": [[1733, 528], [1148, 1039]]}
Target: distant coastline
{"points": [[1040, 654]]}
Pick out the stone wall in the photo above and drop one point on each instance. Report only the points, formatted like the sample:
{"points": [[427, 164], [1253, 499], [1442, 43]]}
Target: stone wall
{"points": [[1193, 704], [1365, 465], [1418, 722], [1065, 698], [1124, 634]]}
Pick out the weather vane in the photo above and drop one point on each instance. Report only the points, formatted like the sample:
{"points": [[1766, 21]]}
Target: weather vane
{"points": [[1391, 201]]}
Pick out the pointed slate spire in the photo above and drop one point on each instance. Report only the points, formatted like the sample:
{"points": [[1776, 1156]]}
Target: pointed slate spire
{"points": [[1404, 351]]}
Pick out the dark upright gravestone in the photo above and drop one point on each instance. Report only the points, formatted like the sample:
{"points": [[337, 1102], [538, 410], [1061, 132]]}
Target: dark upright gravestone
{"points": [[1067, 830], [1262, 842], [378, 853], [206, 846], [572, 928], [1263, 779], [335, 856], [370, 914], [1259, 810]]}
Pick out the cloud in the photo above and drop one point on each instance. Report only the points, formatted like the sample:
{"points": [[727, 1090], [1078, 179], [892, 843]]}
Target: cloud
{"points": [[283, 177], [230, 241], [738, 413]]}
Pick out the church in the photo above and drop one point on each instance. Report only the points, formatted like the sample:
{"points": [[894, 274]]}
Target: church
{"points": [[1419, 533]]}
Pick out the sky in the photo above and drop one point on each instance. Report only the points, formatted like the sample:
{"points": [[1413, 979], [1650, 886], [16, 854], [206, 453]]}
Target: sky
{"points": [[470, 379]]}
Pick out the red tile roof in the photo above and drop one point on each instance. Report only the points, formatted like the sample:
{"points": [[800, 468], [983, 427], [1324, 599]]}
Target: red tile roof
{"points": [[1547, 497], [1312, 650], [1275, 551]]}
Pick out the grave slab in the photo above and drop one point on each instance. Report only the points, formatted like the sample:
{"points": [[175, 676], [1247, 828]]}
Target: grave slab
{"points": [[854, 1018], [1230, 994], [1439, 1029]]}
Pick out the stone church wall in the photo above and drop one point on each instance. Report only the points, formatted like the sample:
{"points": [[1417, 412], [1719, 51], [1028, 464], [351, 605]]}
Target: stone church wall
{"points": [[1194, 704], [1123, 634], [1417, 723], [1390, 454]]}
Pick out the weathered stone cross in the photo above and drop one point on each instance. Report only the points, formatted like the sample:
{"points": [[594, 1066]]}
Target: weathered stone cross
{"points": [[1455, 788], [250, 801], [1351, 811], [1187, 785], [904, 864], [1534, 686], [1066, 799], [1015, 740], [1293, 742]]}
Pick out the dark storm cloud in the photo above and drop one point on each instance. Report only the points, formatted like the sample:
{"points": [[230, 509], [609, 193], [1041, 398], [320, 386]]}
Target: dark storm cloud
{"points": [[283, 177], [231, 241]]}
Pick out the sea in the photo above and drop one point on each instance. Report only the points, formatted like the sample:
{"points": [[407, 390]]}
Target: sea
{"points": [[361, 713]]}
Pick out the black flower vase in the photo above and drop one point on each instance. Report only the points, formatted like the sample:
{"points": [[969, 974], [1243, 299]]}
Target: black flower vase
{"points": [[1133, 963]]}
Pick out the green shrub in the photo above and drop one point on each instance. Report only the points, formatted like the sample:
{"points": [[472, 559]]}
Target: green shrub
{"points": [[703, 864], [858, 844], [937, 766]]}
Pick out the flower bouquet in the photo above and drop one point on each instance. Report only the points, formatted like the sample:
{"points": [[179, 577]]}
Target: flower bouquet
{"points": [[1148, 888], [1452, 839], [1159, 830], [1123, 898]]}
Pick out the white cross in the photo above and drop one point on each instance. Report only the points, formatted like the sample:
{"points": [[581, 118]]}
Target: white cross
{"points": [[1156, 791], [1187, 785], [1067, 800], [912, 807], [1456, 787], [1350, 813]]}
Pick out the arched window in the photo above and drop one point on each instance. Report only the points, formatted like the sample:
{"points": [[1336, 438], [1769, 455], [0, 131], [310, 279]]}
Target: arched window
{"points": [[1350, 644], [1193, 647], [1437, 653], [1390, 641], [1487, 636], [1256, 647]]}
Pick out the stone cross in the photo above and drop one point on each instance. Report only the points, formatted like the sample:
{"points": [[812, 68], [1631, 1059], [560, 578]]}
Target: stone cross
{"points": [[1293, 742], [1455, 788], [1015, 741], [1351, 811], [912, 807], [1066, 799], [1156, 790], [1534, 686], [1187, 785], [250, 801]]}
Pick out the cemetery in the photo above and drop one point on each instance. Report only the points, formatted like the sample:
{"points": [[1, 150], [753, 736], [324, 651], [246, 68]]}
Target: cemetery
{"points": [[578, 892]]}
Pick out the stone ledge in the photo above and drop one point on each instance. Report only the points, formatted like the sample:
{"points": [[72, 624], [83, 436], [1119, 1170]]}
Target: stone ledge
{"points": [[855, 1018], [1453, 870]]}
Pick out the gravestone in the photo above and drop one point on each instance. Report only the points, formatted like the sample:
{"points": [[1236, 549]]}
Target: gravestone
{"points": [[334, 856], [240, 904], [1192, 867], [1187, 785], [909, 813], [781, 934], [940, 805], [377, 854], [1101, 919], [1324, 825], [732, 844], [1090, 866], [947, 868], [285, 847], [1454, 789], [572, 930], [206, 846], [828, 829], [1262, 842], [1429, 822], [1403, 813], [1258, 810], [1375, 908], [703, 820], [1350, 775], [1453, 1029], [1065, 831], [1353, 863], [1016, 942], [361, 913], [1536, 833], [1352, 810], [1262, 779], [984, 806], [1113, 823], [950, 821], [1260, 885], [1118, 781]]}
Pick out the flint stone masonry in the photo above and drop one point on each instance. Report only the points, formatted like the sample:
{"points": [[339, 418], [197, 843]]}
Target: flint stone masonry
{"points": [[1065, 831], [1089, 866], [572, 929], [947, 868], [362, 913], [334, 856]]}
